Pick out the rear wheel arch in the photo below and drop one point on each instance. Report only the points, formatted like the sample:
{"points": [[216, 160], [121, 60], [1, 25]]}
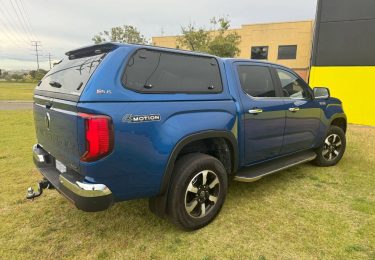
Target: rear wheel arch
{"points": [[158, 204], [197, 192], [211, 137]]}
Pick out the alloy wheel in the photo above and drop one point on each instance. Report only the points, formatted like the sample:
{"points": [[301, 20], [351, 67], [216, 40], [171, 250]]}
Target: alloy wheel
{"points": [[202, 194], [332, 147]]}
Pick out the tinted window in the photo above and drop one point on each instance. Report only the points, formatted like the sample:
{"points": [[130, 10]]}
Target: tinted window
{"points": [[164, 72], [292, 86], [259, 53], [256, 81], [71, 75], [287, 52]]}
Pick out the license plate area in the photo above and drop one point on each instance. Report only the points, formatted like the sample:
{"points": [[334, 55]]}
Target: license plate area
{"points": [[60, 166]]}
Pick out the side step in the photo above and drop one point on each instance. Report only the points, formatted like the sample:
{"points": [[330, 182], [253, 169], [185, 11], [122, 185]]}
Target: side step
{"points": [[254, 173]]}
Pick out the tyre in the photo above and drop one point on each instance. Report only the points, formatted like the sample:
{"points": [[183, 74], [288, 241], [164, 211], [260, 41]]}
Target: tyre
{"points": [[197, 191], [333, 148]]}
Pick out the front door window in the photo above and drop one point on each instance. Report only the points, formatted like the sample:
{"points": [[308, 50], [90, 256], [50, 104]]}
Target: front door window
{"points": [[292, 86]]}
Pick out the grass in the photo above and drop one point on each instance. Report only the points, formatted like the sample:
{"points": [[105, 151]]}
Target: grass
{"points": [[301, 213], [16, 91]]}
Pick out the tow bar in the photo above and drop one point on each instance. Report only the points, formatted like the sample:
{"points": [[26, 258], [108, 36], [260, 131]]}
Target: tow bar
{"points": [[43, 184]]}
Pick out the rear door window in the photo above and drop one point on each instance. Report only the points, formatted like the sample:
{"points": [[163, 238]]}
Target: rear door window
{"points": [[150, 71], [70, 76], [256, 80]]}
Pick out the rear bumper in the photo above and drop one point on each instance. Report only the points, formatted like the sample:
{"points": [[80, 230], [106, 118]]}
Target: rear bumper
{"points": [[85, 196]]}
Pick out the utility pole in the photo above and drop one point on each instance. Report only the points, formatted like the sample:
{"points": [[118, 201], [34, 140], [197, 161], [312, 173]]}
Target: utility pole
{"points": [[36, 44], [49, 59]]}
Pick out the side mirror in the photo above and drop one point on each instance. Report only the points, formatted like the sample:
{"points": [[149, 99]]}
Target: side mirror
{"points": [[321, 93]]}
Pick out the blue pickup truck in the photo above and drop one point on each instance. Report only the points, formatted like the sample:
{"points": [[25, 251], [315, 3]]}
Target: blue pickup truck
{"points": [[116, 122]]}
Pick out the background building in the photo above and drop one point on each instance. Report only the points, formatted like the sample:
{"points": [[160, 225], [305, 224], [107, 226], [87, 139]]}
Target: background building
{"points": [[344, 55], [287, 43]]}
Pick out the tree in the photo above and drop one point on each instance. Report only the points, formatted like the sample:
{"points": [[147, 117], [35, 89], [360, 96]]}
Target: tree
{"points": [[220, 42], [194, 39], [124, 34], [16, 77], [224, 43], [4, 74], [37, 74]]}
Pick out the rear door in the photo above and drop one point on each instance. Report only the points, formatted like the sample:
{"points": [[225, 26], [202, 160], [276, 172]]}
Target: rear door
{"points": [[55, 107], [263, 112], [302, 112]]}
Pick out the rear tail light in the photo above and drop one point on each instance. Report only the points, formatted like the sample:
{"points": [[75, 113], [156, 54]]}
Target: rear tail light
{"points": [[99, 136]]}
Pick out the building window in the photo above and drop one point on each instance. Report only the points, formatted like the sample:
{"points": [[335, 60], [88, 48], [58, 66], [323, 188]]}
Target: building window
{"points": [[287, 52], [259, 52]]}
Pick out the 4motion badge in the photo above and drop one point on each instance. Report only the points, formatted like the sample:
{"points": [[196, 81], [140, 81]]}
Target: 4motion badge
{"points": [[129, 118]]}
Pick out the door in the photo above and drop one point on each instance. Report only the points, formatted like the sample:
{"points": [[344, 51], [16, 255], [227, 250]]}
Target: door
{"points": [[263, 113], [302, 112]]}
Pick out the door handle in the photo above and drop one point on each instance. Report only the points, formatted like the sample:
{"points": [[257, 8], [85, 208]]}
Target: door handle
{"points": [[255, 111], [293, 109]]}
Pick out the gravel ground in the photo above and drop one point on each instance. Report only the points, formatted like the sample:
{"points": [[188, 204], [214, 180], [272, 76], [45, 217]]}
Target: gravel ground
{"points": [[15, 105]]}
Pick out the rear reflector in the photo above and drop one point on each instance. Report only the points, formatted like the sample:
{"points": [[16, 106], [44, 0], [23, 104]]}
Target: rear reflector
{"points": [[99, 136]]}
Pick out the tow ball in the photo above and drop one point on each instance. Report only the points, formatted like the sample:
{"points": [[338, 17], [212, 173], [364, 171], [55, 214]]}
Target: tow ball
{"points": [[43, 184]]}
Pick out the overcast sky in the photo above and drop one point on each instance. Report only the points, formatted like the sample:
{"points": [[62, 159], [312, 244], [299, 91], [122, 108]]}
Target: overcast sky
{"points": [[68, 24]]}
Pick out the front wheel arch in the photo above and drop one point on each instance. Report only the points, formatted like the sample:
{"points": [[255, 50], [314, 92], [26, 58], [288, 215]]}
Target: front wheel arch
{"points": [[340, 122]]}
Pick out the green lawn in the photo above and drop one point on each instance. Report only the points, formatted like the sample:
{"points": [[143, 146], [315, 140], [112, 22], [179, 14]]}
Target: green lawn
{"points": [[16, 91], [301, 213]]}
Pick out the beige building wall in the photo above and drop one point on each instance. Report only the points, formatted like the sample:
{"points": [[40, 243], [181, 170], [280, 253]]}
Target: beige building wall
{"points": [[272, 35], [165, 41]]}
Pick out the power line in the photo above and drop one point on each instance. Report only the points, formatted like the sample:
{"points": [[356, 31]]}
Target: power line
{"points": [[20, 21], [26, 12], [18, 34], [49, 59], [24, 20], [9, 35], [18, 30]]}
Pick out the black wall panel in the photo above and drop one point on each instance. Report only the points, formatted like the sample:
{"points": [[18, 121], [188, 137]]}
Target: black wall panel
{"points": [[345, 33], [339, 10]]}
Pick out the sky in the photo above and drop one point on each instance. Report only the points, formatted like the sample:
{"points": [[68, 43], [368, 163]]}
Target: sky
{"points": [[60, 26]]}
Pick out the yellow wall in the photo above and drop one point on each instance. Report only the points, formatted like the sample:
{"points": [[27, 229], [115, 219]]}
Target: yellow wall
{"points": [[272, 35], [275, 34], [355, 86]]}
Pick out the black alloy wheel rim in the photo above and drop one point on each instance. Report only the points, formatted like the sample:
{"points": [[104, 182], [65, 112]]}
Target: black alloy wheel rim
{"points": [[202, 194]]}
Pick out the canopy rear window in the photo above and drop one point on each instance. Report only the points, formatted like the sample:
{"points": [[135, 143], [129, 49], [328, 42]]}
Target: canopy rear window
{"points": [[150, 71], [70, 75]]}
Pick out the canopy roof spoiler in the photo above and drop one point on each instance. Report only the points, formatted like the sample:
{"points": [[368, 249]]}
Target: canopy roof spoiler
{"points": [[91, 50]]}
